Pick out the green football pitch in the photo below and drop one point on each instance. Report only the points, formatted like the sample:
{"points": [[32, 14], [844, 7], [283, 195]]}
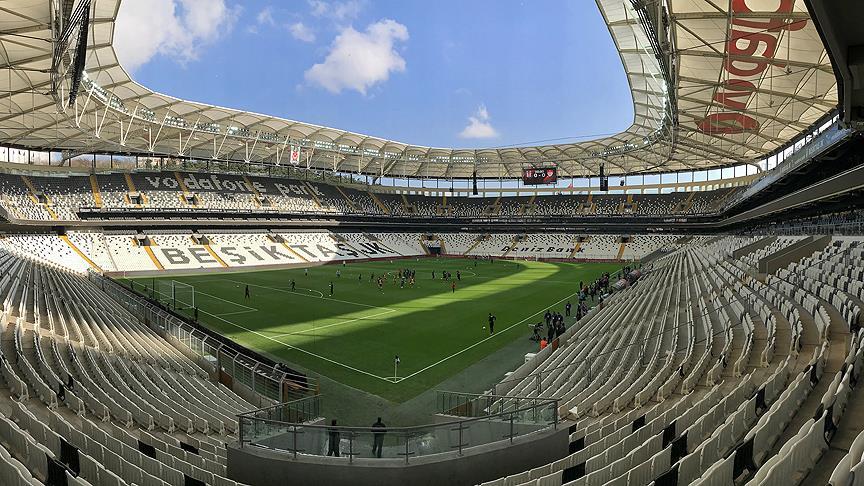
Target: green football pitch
{"points": [[354, 335]]}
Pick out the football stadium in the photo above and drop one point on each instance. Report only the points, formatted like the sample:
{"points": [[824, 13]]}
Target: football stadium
{"points": [[198, 294]]}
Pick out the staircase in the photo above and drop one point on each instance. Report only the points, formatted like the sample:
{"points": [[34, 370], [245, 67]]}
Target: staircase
{"points": [[251, 187], [513, 243], [184, 190], [347, 199], [97, 194], [576, 249], [153, 258], [35, 200], [378, 202], [479, 240], [80, 253], [688, 203], [130, 185], [312, 194]]}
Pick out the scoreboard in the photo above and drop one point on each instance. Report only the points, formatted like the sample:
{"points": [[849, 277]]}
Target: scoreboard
{"points": [[547, 175]]}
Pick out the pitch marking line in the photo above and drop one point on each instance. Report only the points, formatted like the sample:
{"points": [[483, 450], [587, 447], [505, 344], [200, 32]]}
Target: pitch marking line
{"points": [[387, 310], [236, 312], [277, 289], [481, 341], [248, 309], [389, 380], [320, 294], [318, 328]]}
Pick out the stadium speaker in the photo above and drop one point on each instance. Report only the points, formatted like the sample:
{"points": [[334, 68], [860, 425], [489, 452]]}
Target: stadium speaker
{"points": [[475, 182]]}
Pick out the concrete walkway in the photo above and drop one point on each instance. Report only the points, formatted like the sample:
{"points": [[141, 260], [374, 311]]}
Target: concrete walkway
{"points": [[852, 422], [838, 335], [355, 407]]}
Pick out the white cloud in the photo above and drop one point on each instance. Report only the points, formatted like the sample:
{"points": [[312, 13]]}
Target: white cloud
{"points": [[339, 11], [175, 28], [265, 17], [301, 32], [479, 125], [359, 60]]}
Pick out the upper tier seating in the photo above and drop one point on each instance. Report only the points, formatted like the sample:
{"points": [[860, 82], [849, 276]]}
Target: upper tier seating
{"points": [[62, 197]]}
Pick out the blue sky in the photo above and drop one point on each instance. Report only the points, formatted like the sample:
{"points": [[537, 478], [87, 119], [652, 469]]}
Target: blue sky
{"points": [[450, 73]]}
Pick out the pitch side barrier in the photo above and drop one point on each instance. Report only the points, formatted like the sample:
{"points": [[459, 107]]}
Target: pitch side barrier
{"points": [[251, 375]]}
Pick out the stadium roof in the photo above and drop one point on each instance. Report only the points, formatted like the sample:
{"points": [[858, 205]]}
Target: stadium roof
{"points": [[743, 84]]}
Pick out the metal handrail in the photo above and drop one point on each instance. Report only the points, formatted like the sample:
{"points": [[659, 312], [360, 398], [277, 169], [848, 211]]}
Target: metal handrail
{"points": [[413, 428], [400, 433]]}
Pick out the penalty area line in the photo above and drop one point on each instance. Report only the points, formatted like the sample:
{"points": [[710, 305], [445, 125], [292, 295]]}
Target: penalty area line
{"points": [[277, 289], [324, 358], [318, 328], [248, 309], [234, 313]]}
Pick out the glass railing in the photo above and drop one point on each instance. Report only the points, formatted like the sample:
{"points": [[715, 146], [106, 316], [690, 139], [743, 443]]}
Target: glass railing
{"points": [[281, 428], [821, 142], [476, 405]]}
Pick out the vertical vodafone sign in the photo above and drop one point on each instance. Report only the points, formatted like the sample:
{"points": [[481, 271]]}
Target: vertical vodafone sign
{"points": [[751, 47]]}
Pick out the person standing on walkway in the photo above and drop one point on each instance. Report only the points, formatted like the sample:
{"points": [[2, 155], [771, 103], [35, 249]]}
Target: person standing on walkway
{"points": [[378, 437], [333, 439]]}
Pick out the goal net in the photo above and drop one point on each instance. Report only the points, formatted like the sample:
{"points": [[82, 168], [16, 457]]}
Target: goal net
{"points": [[178, 295]]}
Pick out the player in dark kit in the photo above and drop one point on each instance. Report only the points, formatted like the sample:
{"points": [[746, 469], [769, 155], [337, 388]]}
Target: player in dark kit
{"points": [[331, 289], [247, 293], [491, 323]]}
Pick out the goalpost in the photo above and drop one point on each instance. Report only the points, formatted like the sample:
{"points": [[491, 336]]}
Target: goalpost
{"points": [[178, 295]]}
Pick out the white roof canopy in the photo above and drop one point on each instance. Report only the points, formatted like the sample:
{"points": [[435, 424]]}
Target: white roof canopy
{"points": [[746, 81]]}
